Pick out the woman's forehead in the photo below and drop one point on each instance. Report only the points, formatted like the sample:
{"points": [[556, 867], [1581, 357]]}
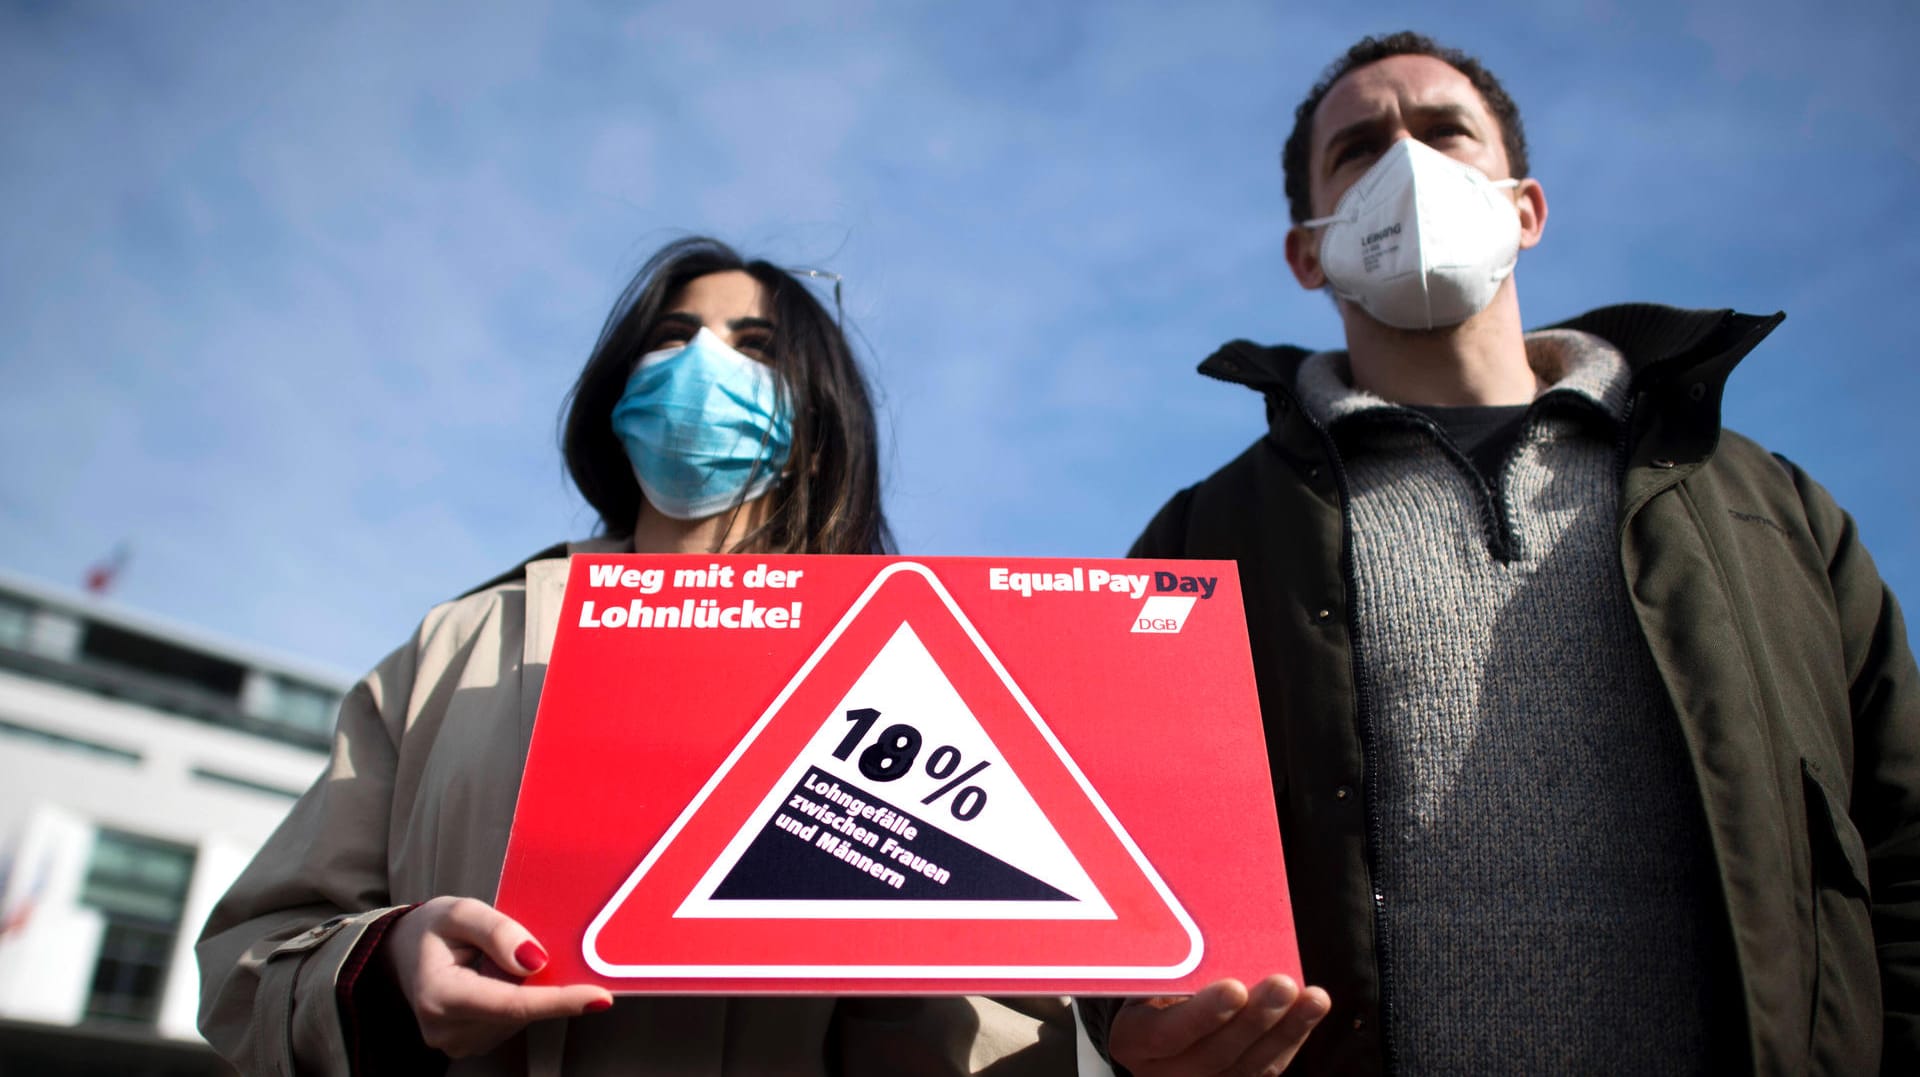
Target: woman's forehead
{"points": [[728, 294]]}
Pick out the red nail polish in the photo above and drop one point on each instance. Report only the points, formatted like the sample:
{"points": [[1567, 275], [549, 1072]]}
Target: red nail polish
{"points": [[530, 956], [599, 1004]]}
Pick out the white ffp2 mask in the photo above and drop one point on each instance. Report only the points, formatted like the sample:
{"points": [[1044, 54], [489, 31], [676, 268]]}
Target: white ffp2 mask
{"points": [[1420, 240]]}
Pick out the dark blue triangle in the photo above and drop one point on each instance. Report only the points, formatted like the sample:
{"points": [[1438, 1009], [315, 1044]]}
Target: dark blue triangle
{"points": [[811, 850]]}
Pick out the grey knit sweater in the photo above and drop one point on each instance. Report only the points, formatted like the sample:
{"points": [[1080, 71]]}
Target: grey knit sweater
{"points": [[1541, 868]]}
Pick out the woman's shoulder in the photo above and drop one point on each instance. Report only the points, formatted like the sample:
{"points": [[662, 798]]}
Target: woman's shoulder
{"points": [[483, 633], [475, 603], [500, 606]]}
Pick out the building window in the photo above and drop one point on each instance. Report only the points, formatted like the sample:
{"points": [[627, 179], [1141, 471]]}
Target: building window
{"points": [[234, 781], [290, 710], [139, 886], [309, 710], [61, 740], [16, 621], [138, 652]]}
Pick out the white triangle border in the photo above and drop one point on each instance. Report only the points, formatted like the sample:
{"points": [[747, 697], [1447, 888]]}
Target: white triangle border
{"points": [[590, 943]]}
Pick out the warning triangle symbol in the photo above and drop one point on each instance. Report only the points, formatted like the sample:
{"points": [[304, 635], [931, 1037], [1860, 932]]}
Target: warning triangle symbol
{"points": [[776, 867], [900, 782]]}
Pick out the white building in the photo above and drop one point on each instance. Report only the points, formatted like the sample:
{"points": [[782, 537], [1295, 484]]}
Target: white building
{"points": [[141, 764]]}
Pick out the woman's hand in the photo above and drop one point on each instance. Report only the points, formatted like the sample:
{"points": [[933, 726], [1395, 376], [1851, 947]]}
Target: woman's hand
{"points": [[448, 956], [1225, 1029]]}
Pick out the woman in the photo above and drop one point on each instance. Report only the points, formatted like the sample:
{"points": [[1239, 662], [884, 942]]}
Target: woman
{"points": [[720, 411]]}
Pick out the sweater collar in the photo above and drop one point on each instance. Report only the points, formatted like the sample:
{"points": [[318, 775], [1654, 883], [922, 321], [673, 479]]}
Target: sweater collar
{"points": [[1569, 361]]}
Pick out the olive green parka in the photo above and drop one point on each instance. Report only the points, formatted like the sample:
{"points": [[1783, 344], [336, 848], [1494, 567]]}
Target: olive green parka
{"points": [[1783, 653]]}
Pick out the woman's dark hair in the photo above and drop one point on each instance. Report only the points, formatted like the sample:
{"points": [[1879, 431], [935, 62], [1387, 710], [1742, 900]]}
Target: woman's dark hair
{"points": [[830, 500], [1368, 50]]}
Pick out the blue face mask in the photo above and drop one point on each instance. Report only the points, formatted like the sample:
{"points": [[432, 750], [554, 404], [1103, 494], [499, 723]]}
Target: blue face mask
{"points": [[703, 428]]}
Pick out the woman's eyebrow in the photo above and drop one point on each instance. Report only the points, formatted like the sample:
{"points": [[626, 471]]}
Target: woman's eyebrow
{"points": [[680, 317], [750, 323]]}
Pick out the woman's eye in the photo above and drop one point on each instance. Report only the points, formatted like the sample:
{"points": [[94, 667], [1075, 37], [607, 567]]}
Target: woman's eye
{"points": [[760, 347]]}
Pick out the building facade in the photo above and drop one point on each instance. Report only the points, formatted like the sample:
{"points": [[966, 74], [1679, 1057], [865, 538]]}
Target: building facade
{"points": [[141, 764]]}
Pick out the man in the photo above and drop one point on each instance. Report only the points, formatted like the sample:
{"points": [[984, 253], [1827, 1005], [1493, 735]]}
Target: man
{"points": [[1594, 734]]}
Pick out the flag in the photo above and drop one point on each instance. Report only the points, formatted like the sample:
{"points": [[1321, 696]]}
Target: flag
{"points": [[14, 914], [101, 577]]}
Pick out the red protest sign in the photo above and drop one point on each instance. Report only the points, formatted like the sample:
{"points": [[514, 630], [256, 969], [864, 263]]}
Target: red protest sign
{"points": [[853, 774]]}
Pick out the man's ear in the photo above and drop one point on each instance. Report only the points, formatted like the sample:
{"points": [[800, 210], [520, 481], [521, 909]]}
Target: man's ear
{"points": [[1303, 257], [1531, 200]]}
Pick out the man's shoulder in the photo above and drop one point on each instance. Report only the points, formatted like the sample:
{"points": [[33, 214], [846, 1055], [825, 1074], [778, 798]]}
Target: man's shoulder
{"points": [[1745, 490], [1743, 461], [1233, 477], [1745, 451], [1215, 515]]}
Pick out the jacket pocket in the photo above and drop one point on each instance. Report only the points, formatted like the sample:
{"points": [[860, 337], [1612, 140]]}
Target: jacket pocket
{"points": [[1845, 1027]]}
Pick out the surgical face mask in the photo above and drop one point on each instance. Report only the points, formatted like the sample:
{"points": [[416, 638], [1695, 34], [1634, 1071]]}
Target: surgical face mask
{"points": [[1420, 240], [703, 427]]}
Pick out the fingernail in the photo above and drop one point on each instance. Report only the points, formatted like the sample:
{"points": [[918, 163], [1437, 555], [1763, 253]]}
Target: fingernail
{"points": [[1278, 993], [530, 956], [599, 1004]]}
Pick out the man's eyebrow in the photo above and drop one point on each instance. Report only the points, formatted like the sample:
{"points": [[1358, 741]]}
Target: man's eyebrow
{"points": [[1448, 111], [1348, 133]]}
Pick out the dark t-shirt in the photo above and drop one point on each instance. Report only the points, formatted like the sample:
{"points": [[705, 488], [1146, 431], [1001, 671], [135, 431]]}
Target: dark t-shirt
{"points": [[1485, 433]]}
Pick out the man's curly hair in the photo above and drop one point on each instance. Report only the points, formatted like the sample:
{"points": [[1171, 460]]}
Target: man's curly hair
{"points": [[1371, 50]]}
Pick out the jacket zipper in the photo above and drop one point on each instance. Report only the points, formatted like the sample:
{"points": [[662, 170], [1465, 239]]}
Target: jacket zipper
{"points": [[1370, 756], [1496, 524], [1623, 444], [1496, 515], [1370, 766]]}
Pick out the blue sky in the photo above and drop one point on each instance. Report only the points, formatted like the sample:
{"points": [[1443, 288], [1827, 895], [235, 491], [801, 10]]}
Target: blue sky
{"points": [[289, 296]]}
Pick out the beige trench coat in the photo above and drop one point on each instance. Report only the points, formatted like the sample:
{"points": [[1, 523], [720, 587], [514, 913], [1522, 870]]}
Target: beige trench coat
{"points": [[417, 801]]}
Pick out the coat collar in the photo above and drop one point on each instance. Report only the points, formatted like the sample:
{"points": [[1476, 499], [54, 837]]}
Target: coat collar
{"points": [[1661, 344], [1680, 360]]}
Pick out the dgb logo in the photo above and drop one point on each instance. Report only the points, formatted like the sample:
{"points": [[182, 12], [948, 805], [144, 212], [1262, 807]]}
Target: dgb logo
{"points": [[1163, 613]]}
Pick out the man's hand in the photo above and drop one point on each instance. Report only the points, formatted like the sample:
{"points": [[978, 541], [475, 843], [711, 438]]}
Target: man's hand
{"points": [[448, 955], [1225, 1029]]}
